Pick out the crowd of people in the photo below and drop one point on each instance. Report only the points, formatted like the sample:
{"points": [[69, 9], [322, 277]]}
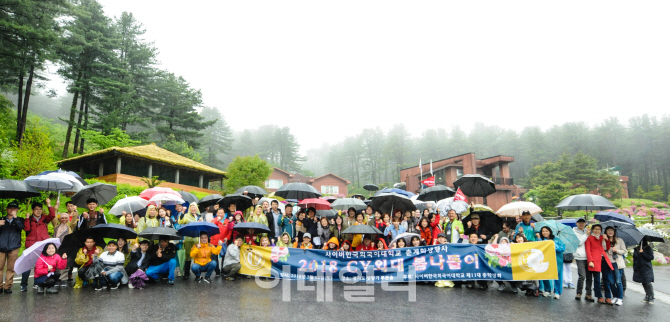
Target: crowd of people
{"points": [[599, 257]]}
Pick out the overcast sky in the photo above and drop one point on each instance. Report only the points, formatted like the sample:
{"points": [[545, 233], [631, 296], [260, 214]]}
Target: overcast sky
{"points": [[331, 68]]}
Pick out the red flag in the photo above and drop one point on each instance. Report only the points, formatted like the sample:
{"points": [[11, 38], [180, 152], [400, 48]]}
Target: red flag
{"points": [[460, 196], [429, 181]]}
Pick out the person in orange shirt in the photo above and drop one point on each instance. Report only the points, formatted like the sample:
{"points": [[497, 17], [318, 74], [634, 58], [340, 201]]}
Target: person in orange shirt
{"points": [[306, 242], [202, 258]]}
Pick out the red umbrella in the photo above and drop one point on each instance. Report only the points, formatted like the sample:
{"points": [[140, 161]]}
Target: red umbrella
{"points": [[319, 204], [149, 193]]}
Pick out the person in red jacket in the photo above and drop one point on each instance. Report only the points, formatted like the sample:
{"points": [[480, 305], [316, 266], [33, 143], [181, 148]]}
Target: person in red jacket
{"points": [[36, 227], [435, 226], [425, 231], [596, 245], [225, 230], [47, 269], [366, 244]]}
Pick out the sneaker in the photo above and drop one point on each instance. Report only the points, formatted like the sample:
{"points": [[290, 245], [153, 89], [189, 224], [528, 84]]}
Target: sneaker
{"points": [[589, 298], [52, 290], [501, 288], [24, 288], [198, 279], [98, 288], [8, 291], [537, 293], [35, 287], [609, 301], [207, 279], [63, 283], [618, 302], [546, 294], [645, 299], [114, 286], [230, 278], [578, 297], [602, 301], [39, 289], [130, 285], [170, 282], [651, 300], [557, 296], [572, 286]]}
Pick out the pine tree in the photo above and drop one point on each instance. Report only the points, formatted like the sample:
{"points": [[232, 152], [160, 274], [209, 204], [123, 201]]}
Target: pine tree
{"points": [[217, 140]]}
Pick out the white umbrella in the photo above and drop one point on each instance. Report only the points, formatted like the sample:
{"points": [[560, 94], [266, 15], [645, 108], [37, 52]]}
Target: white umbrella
{"points": [[29, 257], [407, 237], [76, 184], [447, 204], [167, 198], [128, 204], [49, 182], [516, 208]]}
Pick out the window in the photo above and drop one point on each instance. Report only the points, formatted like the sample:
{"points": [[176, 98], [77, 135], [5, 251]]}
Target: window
{"points": [[331, 190], [459, 173], [273, 183]]}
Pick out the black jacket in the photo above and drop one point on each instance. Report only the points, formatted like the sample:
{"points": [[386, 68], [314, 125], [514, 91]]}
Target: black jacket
{"points": [[272, 221], [168, 253], [10, 234], [84, 224], [643, 271], [311, 226], [135, 256], [480, 231]]}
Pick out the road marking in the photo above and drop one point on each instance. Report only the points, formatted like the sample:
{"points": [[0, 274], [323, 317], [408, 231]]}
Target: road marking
{"points": [[659, 296]]}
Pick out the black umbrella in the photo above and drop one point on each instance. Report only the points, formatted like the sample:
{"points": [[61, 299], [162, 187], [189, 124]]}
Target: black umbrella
{"points": [[585, 202], [537, 217], [158, 233], [241, 202], [103, 192], [436, 193], [210, 200], [73, 242], [297, 190], [259, 228], [362, 229], [330, 213], [389, 202], [629, 233], [370, 187], [489, 221], [188, 197], [15, 189], [252, 191], [113, 231], [475, 185], [651, 236], [358, 196]]}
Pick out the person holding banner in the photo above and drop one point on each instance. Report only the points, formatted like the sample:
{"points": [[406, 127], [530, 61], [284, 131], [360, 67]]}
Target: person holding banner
{"points": [[547, 234], [231, 263], [332, 245], [285, 221], [394, 229], [284, 240], [306, 242]]}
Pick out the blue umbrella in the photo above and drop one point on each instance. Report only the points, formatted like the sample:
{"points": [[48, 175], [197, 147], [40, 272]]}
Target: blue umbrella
{"points": [[259, 228], [398, 191], [569, 222], [608, 215], [193, 229], [562, 232]]}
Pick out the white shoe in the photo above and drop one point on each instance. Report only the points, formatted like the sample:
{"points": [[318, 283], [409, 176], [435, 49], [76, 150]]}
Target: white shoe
{"points": [[130, 285], [546, 294], [618, 302], [557, 296]]}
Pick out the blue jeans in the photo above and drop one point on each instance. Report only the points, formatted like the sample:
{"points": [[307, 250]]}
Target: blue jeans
{"points": [[154, 272], [558, 283], [208, 268], [596, 283], [613, 283], [113, 278]]}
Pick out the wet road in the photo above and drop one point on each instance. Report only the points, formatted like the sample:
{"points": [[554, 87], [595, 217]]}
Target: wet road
{"points": [[243, 300]]}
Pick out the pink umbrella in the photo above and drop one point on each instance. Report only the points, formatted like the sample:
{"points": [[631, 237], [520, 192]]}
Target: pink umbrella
{"points": [[149, 193], [319, 204]]}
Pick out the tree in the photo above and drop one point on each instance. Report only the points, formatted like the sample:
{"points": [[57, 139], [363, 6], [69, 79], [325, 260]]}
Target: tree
{"points": [[117, 138], [182, 148], [288, 154], [655, 194], [243, 171], [34, 155], [174, 105], [152, 182], [28, 33], [639, 192], [217, 139]]}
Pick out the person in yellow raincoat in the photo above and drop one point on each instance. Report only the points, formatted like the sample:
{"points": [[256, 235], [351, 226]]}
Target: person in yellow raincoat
{"points": [[259, 217], [85, 257], [192, 215], [202, 258], [150, 220]]}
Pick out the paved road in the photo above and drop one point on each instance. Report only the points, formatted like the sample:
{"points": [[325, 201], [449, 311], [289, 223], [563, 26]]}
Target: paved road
{"points": [[243, 300], [661, 278]]}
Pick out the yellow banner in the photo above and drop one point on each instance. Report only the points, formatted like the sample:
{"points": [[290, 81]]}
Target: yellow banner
{"points": [[534, 261], [255, 260]]}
